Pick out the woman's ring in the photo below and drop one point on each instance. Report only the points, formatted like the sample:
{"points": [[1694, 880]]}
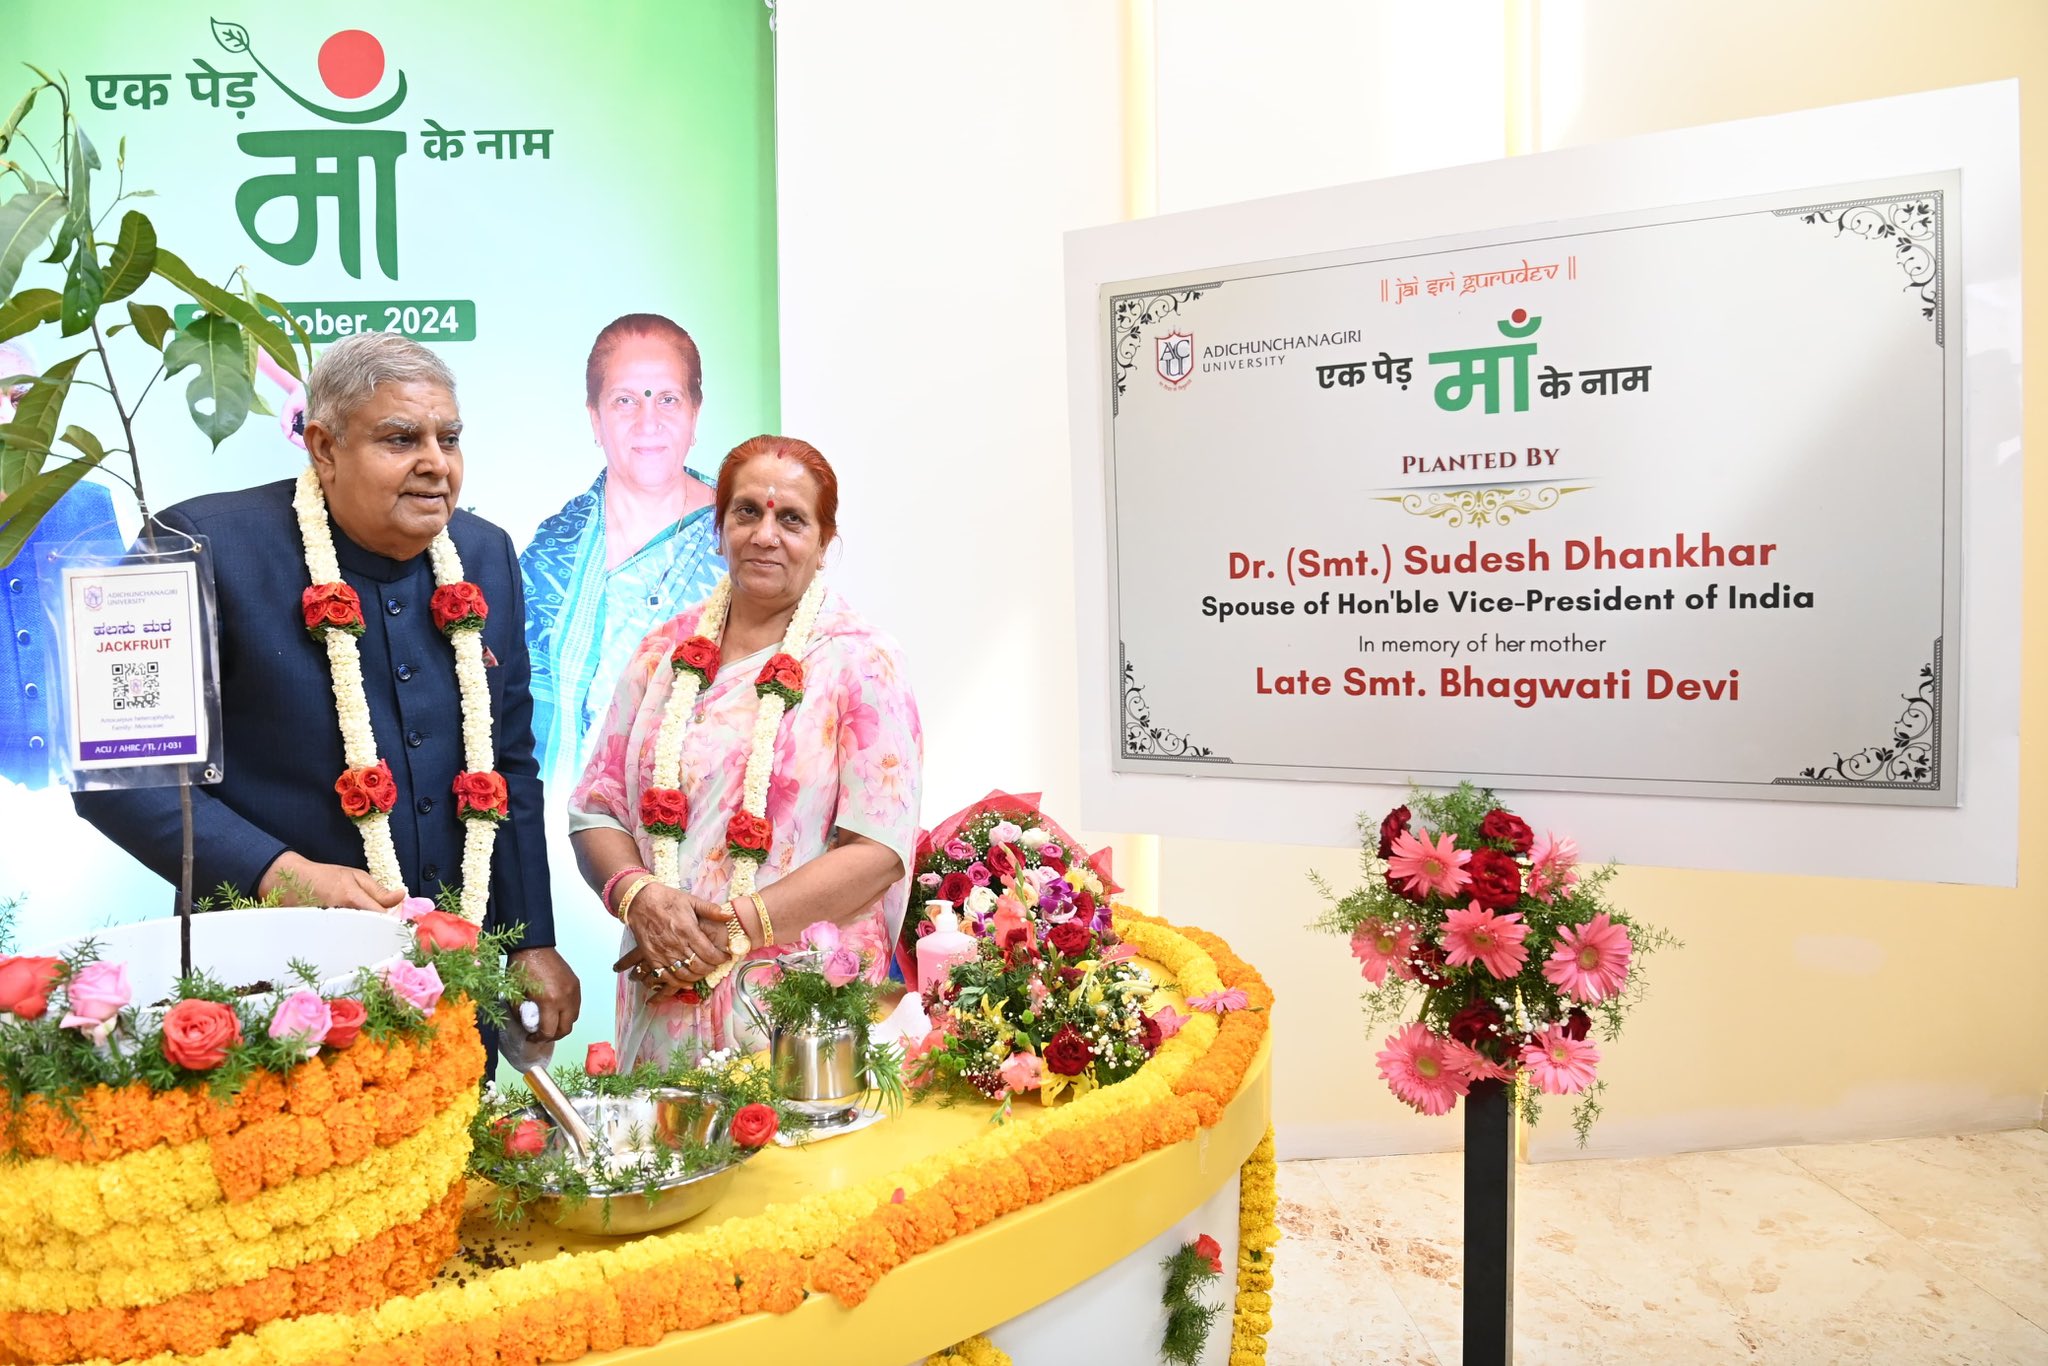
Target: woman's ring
{"points": [[680, 967]]}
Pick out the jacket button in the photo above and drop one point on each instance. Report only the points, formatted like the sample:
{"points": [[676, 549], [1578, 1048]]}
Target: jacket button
{"points": [[413, 738], [424, 805], [404, 673], [431, 873], [393, 606]]}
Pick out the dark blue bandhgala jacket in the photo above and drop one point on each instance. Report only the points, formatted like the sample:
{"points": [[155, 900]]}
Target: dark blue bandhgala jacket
{"points": [[283, 743]]}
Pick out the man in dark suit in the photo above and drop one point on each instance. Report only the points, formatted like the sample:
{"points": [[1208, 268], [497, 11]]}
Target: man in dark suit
{"points": [[384, 434]]}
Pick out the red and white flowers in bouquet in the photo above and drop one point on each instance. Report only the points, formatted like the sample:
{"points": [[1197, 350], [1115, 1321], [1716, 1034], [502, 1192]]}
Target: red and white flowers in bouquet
{"points": [[1505, 947]]}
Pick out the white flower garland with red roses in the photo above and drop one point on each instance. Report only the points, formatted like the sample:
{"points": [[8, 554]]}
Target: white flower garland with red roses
{"points": [[780, 686], [480, 795]]}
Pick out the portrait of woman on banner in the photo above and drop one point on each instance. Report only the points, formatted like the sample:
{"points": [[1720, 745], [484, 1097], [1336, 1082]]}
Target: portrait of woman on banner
{"points": [[630, 550], [756, 782]]}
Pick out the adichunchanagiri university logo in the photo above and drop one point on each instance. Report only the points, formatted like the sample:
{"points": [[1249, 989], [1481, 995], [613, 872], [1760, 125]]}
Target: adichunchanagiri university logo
{"points": [[347, 162], [1174, 358]]}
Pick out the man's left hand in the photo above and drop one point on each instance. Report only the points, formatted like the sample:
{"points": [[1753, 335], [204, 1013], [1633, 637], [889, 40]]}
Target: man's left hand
{"points": [[555, 990]]}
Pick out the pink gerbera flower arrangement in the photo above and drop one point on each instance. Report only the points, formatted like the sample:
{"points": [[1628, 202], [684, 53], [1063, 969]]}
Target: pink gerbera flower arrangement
{"points": [[1380, 948], [1494, 941], [1590, 962], [1558, 1064], [1488, 946], [1428, 866], [1421, 1069]]}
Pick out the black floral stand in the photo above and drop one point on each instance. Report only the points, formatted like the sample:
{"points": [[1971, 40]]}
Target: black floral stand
{"points": [[1490, 1224]]}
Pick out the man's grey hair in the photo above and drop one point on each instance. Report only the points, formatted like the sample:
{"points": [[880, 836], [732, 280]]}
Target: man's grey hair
{"points": [[349, 371]]}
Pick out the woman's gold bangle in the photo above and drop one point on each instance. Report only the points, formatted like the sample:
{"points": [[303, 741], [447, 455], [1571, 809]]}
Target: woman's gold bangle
{"points": [[626, 901], [761, 910]]}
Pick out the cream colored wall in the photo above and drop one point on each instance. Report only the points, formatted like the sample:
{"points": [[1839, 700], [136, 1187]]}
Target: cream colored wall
{"points": [[1801, 1009]]}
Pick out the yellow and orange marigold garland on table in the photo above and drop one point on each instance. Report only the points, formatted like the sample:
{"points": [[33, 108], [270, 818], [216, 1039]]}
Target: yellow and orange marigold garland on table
{"points": [[838, 1242], [147, 1222], [1257, 1232], [975, 1351]]}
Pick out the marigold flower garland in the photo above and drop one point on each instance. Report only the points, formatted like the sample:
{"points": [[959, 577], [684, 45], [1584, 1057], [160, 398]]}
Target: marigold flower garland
{"points": [[1257, 1206], [838, 1242], [334, 614], [976, 1351], [664, 810]]}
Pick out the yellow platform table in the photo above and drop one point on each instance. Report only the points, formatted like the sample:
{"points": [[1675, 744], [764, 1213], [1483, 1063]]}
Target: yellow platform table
{"points": [[964, 1286]]}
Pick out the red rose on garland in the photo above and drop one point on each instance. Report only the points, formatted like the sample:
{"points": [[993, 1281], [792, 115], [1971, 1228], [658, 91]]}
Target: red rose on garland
{"points": [[198, 1034], [664, 811], [366, 792], [747, 836], [1067, 1053], [331, 607], [954, 887], [1496, 879], [1150, 1034], [459, 607], [348, 1016], [697, 655], [481, 796], [1072, 940], [1395, 822], [1210, 1251], [783, 677], [1508, 828], [437, 930], [753, 1125], [26, 983], [600, 1060]]}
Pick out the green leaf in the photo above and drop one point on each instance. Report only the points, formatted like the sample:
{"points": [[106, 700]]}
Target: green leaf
{"points": [[25, 220], [233, 37], [152, 324], [269, 306], [28, 504], [26, 440], [29, 310], [84, 287], [219, 393], [21, 109], [79, 191], [267, 333], [134, 257]]}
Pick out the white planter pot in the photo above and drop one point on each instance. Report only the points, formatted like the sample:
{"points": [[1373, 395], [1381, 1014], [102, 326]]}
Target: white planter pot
{"points": [[243, 947]]}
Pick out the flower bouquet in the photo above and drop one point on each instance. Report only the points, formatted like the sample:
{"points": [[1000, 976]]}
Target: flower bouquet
{"points": [[972, 854], [1504, 945]]}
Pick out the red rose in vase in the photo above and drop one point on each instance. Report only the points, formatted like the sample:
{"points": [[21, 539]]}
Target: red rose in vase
{"points": [[1577, 1024], [600, 1060], [1067, 1053], [748, 835], [529, 1138], [1071, 940], [331, 607], [753, 1125], [348, 1016], [1394, 823], [458, 607], [698, 655], [664, 811], [482, 796], [1425, 965], [1496, 879], [1507, 828], [954, 887], [198, 1034], [1475, 1021], [438, 930], [26, 984]]}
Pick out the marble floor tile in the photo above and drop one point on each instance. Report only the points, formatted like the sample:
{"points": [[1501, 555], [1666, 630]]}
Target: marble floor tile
{"points": [[1709, 1257], [1331, 1301], [1978, 1202]]}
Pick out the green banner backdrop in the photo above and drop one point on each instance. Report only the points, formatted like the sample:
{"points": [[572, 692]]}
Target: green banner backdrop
{"points": [[498, 180]]}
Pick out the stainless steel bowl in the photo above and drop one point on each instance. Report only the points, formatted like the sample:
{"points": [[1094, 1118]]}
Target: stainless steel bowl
{"points": [[625, 1124]]}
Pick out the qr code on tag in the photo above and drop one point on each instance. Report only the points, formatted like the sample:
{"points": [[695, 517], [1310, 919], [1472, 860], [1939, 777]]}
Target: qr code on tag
{"points": [[138, 685]]}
